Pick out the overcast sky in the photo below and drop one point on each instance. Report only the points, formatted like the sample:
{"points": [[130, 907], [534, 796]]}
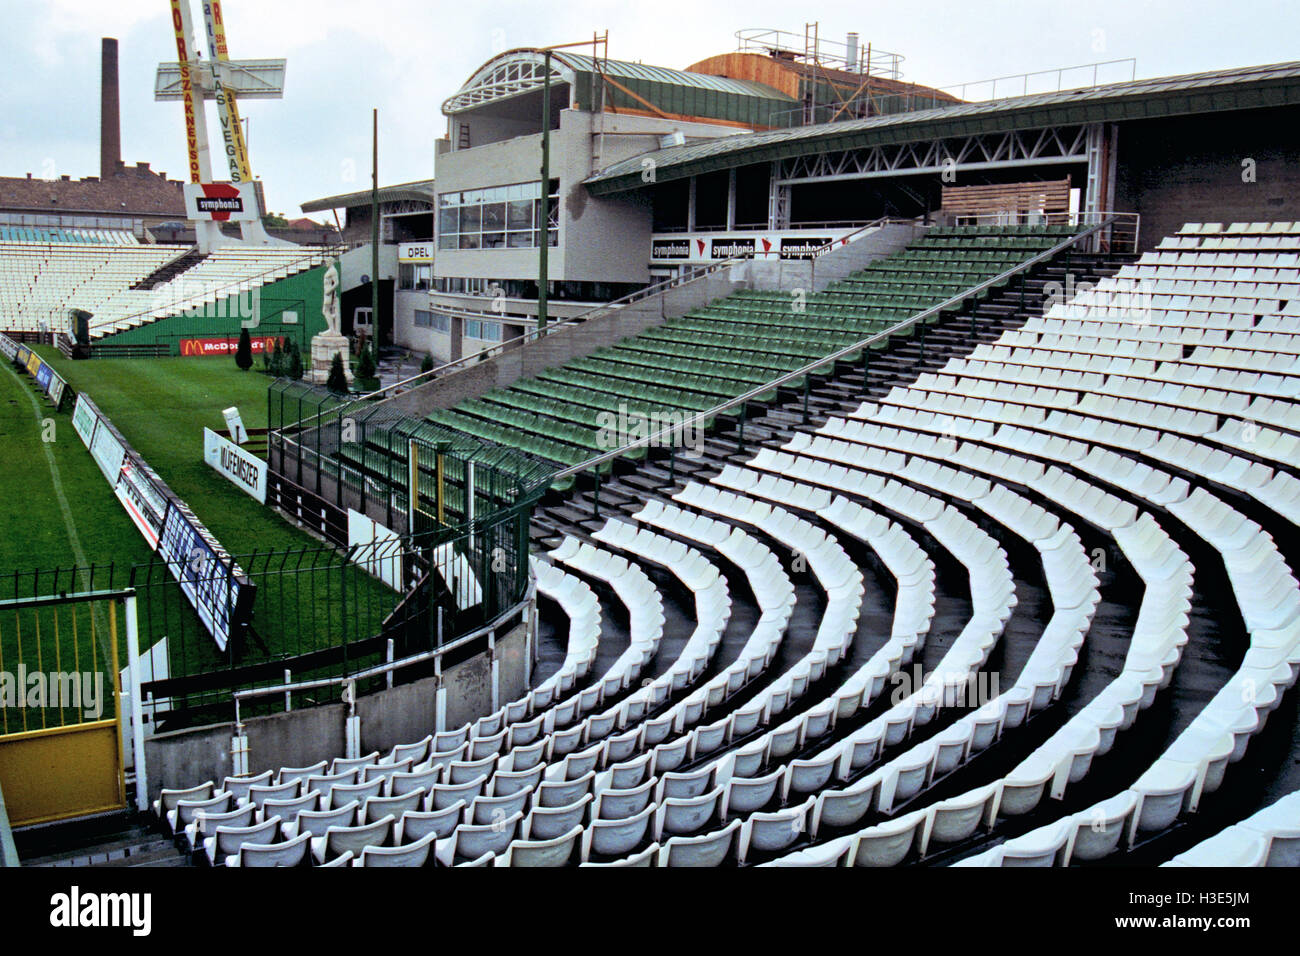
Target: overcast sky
{"points": [[406, 56]]}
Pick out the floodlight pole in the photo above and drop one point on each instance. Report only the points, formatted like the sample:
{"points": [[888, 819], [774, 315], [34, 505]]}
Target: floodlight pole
{"points": [[543, 251], [374, 236]]}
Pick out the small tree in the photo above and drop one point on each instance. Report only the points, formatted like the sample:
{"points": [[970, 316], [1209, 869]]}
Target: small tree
{"points": [[366, 365], [244, 353], [293, 367], [426, 364], [276, 366], [337, 381]]}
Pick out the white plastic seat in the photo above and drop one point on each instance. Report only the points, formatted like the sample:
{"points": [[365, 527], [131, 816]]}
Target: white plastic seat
{"points": [[557, 851], [710, 849], [414, 854], [340, 839], [615, 838], [228, 840], [294, 852], [417, 824], [472, 841]]}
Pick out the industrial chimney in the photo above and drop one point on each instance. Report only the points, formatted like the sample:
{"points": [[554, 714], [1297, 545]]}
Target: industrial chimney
{"points": [[851, 53], [110, 122]]}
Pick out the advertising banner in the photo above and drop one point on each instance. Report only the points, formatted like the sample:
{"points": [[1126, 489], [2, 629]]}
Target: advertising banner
{"points": [[730, 248], [145, 506], [56, 389], [232, 132], [714, 246], [107, 452], [803, 247], [246, 471], [670, 249], [180, 26], [415, 252], [207, 579], [84, 419], [208, 348]]}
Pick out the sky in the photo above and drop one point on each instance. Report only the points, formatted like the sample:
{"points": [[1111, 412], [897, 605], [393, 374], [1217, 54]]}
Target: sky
{"points": [[404, 57]]}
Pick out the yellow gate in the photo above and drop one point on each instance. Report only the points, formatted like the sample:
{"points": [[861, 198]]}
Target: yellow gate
{"points": [[60, 707]]}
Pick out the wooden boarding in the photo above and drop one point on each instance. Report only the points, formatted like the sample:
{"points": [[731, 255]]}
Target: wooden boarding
{"points": [[1051, 197]]}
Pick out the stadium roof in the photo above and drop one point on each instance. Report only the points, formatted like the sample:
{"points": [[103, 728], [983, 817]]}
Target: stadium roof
{"points": [[419, 191], [702, 81], [1244, 88], [627, 86]]}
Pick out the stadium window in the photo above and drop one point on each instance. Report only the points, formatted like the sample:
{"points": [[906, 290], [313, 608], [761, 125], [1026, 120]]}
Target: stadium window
{"points": [[437, 321], [483, 330], [499, 217]]}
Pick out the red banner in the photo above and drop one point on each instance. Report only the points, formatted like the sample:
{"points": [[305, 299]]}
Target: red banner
{"points": [[210, 347]]}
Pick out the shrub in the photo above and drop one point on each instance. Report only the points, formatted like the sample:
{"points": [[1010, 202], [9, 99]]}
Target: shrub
{"points": [[244, 353], [366, 365], [276, 365], [293, 366], [337, 381]]}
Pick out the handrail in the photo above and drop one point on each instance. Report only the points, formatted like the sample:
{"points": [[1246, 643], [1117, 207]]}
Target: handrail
{"points": [[379, 669], [696, 274], [808, 369]]}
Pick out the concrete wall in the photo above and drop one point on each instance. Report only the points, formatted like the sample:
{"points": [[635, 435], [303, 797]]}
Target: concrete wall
{"points": [[402, 714], [469, 690], [1189, 169]]}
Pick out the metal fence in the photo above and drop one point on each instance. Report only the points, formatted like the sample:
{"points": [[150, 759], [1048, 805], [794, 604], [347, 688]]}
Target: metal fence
{"points": [[378, 460], [321, 612]]}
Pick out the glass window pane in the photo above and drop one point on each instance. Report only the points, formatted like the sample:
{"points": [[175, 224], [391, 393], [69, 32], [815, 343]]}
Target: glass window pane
{"points": [[519, 214], [494, 216]]}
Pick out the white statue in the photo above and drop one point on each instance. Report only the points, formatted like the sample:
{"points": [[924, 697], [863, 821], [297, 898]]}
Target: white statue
{"points": [[330, 302]]}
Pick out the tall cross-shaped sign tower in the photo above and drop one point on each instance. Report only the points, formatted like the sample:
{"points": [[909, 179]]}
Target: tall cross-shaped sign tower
{"points": [[195, 81]]}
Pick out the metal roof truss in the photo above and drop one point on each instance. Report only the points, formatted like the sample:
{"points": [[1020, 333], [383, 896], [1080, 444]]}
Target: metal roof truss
{"points": [[1051, 145]]}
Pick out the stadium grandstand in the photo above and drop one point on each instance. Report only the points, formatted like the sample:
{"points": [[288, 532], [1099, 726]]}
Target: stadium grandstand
{"points": [[817, 469]]}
